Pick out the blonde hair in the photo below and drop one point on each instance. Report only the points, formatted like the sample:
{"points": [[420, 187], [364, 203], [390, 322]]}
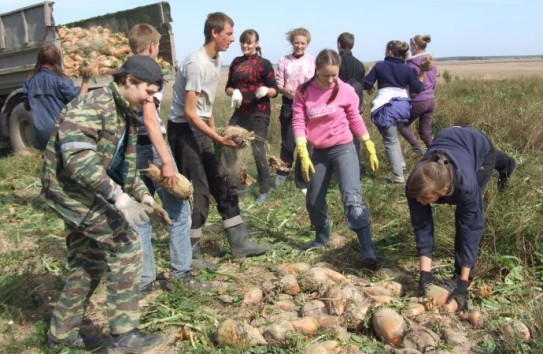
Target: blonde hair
{"points": [[142, 35], [421, 40], [433, 174], [298, 32]]}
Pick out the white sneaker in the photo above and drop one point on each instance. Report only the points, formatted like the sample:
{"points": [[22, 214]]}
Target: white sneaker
{"points": [[304, 191]]}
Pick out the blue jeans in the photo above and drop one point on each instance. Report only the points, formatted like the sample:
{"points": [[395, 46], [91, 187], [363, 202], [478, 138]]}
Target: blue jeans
{"points": [[179, 211], [394, 152], [344, 160]]}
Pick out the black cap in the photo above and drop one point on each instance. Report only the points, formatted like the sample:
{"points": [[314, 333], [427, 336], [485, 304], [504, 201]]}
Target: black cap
{"points": [[143, 68]]}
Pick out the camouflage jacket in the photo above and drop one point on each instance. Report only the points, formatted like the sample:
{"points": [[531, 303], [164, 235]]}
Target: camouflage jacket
{"points": [[84, 143]]}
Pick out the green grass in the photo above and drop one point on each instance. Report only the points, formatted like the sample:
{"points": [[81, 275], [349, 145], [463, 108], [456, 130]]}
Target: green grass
{"points": [[510, 259]]}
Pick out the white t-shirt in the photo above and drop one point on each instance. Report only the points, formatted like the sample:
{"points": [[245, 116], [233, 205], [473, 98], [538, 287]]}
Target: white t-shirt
{"points": [[198, 73]]}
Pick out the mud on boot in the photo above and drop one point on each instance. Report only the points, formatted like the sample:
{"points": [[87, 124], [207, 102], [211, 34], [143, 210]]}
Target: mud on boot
{"points": [[198, 261]]}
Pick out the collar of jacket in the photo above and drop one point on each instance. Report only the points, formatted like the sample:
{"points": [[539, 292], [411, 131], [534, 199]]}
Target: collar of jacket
{"points": [[120, 102]]}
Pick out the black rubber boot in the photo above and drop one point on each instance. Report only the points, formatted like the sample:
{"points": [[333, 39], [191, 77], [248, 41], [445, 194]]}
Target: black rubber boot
{"points": [[239, 242], [134, 341], [198, 262], [322, 238], [369, 258], [503, 178]]}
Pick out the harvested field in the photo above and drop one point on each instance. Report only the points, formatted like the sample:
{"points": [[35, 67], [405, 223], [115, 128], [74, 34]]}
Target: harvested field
{"points": [[491, 69]]}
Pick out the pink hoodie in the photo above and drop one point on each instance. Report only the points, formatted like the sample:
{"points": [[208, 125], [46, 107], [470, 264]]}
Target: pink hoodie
{"points": [[326, 125]]}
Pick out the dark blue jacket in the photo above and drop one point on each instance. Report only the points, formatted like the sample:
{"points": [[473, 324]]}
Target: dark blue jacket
{"points": [[466, 149], [393, 72], [47, 93]]}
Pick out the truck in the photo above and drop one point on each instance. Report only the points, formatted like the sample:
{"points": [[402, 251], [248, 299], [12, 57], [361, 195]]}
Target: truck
{"points": [[24, 30]]}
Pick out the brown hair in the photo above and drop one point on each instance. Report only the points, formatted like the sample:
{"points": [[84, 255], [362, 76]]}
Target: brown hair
{"points": [[249, 34], [141, 36], [298, 32], [433, 174], [216, 21], [398, 48], [324, 58], [421, 40], [50, 55], [346, 40]]}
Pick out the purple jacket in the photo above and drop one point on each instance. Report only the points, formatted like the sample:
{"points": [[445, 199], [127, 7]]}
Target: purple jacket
{"points": [[430, 79]]}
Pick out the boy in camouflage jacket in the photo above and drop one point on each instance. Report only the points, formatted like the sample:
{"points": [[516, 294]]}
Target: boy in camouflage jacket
{"points": [[90, 180]]}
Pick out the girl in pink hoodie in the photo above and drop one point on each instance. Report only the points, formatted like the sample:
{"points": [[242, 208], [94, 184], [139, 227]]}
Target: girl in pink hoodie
{"points": [[325, 114]]}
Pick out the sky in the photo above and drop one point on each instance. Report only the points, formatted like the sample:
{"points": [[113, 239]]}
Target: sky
{"points": [[457, 27]]}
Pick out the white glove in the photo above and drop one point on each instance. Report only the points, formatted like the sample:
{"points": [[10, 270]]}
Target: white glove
{"points": [[133, 212], [235, 100], [148, 200], [157, 209], [261, 91]]}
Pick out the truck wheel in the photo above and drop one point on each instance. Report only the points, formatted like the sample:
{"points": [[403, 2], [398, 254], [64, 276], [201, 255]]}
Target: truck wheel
{"points": [[21, 132]]}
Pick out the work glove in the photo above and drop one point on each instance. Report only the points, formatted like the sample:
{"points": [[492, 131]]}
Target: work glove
{"points": [[261, 91], [135, 214], [303, 154], [425, 280], [157, 209], [460, 294], [235, 100], [370, 148]]}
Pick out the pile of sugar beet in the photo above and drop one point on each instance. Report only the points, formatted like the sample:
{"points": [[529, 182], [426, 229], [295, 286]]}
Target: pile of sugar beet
{"points": [[328, 308]]}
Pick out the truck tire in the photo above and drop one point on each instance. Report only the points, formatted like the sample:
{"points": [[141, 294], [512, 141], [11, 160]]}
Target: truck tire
{"points": [[21, 132]]}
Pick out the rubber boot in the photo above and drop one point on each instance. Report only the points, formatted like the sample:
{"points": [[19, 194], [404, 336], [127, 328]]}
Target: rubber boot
{"points": [[239, 242], [322, 238], [369, 258], [198, 262]]}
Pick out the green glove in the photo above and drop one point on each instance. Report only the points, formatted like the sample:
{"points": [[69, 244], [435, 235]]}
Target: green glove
{"points": [[307, 165], [370, 148]]}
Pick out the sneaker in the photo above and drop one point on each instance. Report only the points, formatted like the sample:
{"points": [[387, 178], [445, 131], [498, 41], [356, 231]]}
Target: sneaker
{"points": [[88, 343], [280, 180], [134, 341], [309, 245], [503, 178], [262, 198], [188, 281], [149, 287], [304, 191], [395, 180]]}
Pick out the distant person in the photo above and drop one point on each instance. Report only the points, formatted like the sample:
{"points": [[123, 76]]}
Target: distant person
{"points": [[144, 39], [191, 132], [455, 170], [351, 71], [251, 83], [423, 104], [391, 106], [322, 105], [90, 179], [292, 71], [47, 91]]}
